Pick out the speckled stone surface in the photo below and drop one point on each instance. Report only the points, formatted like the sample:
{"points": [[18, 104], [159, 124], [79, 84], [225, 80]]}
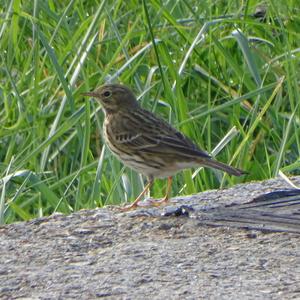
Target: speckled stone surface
{"points": [[150, 254]]}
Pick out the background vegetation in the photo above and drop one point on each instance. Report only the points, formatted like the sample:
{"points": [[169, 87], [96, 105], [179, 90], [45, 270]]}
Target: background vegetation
{"points": [[220, 71]]}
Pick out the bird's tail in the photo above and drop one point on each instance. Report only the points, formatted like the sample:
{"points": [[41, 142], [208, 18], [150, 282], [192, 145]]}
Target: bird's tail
{"points": [[223, 167]]}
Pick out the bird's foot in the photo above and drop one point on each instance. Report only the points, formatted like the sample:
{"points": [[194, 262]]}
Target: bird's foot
{"points": [[129, 207], [149, 202]]}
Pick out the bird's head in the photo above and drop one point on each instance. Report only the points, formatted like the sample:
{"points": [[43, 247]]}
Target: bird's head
{"points": [[114, 98]]}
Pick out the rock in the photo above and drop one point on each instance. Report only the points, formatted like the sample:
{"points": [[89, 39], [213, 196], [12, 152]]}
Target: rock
{"points": [[169, 252]]}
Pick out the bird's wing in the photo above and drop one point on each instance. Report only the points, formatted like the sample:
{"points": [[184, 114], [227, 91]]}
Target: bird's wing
{"points": [[156, 136]]}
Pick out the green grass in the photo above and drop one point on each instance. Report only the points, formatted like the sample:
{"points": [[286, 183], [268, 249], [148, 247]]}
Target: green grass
{"points": [[210, 68]]}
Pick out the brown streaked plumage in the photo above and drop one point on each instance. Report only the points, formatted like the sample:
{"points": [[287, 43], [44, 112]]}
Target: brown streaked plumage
{"points": [[146, 143]]}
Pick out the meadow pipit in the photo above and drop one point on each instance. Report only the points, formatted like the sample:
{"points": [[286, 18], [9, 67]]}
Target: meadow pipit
{"points": [[146, 143]]}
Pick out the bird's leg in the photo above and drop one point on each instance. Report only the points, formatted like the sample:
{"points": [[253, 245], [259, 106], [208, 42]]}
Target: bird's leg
{"points": [[168, 190], [140, 196], [165, 199]]}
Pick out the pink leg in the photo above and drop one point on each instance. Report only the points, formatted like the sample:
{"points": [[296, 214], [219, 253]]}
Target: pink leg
{"points": [[165, 199], [134, 204]]}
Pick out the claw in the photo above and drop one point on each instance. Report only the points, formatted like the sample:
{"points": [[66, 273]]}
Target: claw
{"points": [[149, 202]]}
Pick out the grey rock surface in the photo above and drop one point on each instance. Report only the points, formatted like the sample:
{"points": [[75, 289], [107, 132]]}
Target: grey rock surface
{"points": [[151, 253]]}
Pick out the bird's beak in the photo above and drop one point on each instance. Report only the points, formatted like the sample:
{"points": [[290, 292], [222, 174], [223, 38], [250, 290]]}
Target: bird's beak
{"points": [[91, 94]]}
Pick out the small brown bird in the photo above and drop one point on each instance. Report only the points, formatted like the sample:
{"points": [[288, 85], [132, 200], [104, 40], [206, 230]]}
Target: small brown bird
{"points": [[146, 143]]}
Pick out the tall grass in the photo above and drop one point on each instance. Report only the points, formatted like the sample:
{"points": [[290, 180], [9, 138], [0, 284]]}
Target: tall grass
{"points": [[225, 76]]}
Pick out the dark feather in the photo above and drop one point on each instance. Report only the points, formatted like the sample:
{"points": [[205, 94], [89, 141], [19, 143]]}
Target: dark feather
{"points": [[147, 133]]}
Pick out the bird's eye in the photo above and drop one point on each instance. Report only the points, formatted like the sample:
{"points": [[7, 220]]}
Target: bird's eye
{"points": [[107, 94]]}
